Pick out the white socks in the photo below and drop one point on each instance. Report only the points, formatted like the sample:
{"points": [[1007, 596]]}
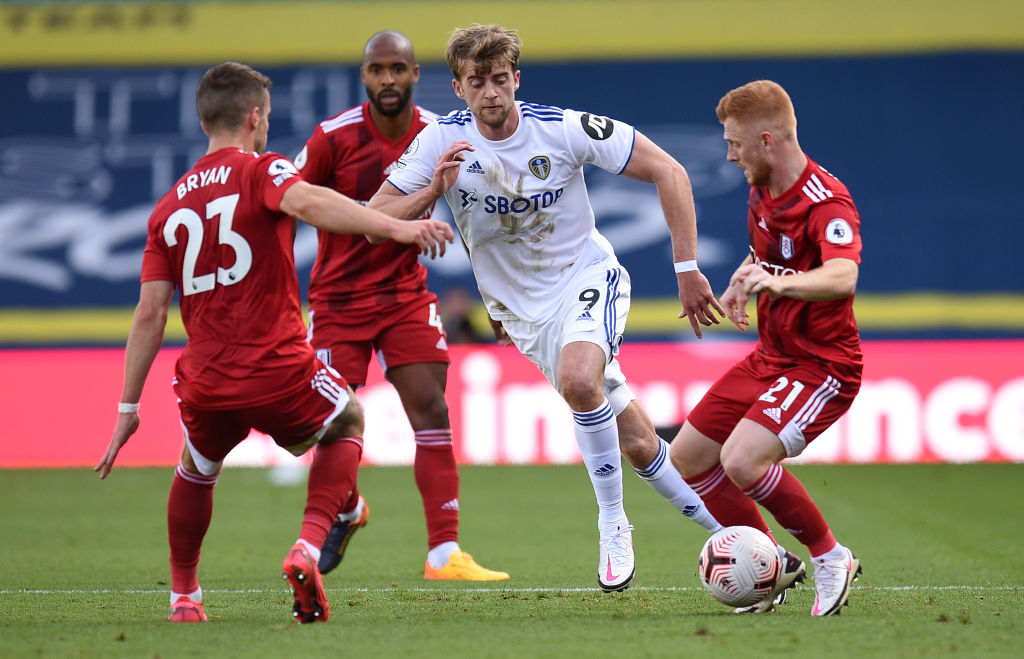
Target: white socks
{"points": [[598, 440], [314, 552], [196, 596], [439, 555], [667, 482]]}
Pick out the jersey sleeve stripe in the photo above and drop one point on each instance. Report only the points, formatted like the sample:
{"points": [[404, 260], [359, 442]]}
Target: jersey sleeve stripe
{"points": [[346, 118], [815, 189], [396, 186], [632, 145]]}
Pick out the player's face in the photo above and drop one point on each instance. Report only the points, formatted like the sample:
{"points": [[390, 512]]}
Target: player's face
{"points": [[490, 95], [389, 74], [746, 149], [263, 127]]}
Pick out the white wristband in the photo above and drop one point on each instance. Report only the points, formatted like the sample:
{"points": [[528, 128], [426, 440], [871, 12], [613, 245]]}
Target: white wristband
{"points": [[685, 266], [127, 408]]}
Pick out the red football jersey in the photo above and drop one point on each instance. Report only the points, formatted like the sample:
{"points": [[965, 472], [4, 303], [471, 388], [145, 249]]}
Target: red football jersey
{"points": [[220, 236], [350, 275], [812, 222]]}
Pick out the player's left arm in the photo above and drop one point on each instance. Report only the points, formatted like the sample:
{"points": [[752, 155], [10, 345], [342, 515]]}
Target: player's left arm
{"points": [[650, 163], [144, 341], [832, 280], [835, 227]]}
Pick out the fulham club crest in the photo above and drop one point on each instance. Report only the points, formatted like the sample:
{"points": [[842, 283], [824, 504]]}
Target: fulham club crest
{"points": [[540, 166], [786, 246]]}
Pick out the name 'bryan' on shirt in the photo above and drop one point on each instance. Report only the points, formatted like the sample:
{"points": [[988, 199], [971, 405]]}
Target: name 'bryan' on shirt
{"points": [[202, 179]]}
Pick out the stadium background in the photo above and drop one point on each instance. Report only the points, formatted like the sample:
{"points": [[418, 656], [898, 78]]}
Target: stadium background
{"points": [[915, 105]]}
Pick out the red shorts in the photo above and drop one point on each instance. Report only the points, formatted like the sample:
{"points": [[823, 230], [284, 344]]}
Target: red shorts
{"points": [[290, 420], [410, 334], [797, 401]]}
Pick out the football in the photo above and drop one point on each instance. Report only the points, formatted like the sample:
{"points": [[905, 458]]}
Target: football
{"points": [[739, 565]]}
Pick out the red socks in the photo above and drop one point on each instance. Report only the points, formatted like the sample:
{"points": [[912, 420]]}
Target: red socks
{"points": [[729, 505], [189, 509], [332, 486], [786, 499], [438, 481]]}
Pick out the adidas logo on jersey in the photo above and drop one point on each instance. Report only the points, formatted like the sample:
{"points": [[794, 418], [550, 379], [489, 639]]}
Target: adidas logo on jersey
{"points": [[763, 224], [475, 168], [584, 316], [450, 505], [605, 470], [774, 413]]}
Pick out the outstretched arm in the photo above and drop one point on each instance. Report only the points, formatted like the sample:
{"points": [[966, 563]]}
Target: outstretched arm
{"points": [[331, 211], [144, 341], [651, 164]]}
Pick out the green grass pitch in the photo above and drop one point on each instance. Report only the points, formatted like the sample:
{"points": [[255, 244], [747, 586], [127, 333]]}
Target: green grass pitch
{"points": [[83, 570]]}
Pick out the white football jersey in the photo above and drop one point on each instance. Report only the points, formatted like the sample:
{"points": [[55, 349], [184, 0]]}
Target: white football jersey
{"points": [[521, 203]]}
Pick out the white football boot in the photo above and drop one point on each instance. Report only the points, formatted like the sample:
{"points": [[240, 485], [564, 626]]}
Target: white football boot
{"points": [[832, 579], [616, 568]]}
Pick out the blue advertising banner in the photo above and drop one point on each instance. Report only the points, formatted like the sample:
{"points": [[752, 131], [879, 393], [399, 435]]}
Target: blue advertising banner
{"points": [[928, 145]]}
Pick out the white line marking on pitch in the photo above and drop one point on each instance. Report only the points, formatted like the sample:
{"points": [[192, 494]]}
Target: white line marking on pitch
{"points": [[452, 590]]}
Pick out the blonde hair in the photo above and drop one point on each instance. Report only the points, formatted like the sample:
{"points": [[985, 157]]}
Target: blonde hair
{"points": [[227, 92], [483, 46], [760, 100]]}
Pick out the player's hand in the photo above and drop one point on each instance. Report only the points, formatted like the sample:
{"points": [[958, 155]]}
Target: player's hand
{"points": [[446, 172], [499, 332], [699, 303], [125, 427], [430, 236], [734, 300], [755, 279]]}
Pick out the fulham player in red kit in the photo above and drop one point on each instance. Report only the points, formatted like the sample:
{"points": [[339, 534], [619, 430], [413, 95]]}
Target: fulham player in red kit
{"points": [[367, 297], [222, 237], [806, 368]]}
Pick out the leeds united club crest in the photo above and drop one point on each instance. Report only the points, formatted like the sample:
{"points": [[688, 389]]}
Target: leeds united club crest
{"points": [[540, 166]]}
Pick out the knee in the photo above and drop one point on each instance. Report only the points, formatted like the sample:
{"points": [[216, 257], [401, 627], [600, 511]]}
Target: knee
{"points": [[581, 393], [432, 412], [740, 468], [350, 423]]}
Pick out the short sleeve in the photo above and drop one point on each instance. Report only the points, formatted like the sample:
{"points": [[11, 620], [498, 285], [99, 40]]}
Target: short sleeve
{"points": [[836, 227], [315, 160], [415, 168], [600, 141], [273, 175], [155, 263]]}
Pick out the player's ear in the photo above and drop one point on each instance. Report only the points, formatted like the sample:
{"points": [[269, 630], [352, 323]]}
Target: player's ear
{"points": [[253, 117], [457, 86], [415, 73], [516, 78]]}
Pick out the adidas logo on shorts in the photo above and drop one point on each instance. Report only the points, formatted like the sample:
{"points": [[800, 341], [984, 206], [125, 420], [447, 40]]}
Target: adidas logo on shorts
{"points": [[774, 413]]}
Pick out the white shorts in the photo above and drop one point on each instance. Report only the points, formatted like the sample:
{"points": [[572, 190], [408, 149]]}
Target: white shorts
{"points": [[595, 304]]}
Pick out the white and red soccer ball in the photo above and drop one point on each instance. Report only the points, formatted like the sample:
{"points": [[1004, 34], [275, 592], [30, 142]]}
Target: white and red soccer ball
{"points": [[739, 565]]}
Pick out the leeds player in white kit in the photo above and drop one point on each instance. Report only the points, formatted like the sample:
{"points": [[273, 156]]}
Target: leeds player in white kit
{"points": [[512, 174]]}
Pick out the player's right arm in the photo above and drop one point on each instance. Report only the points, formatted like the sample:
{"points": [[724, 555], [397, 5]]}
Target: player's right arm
{"points": [[410, 205], [144, 341], [331, 211]]}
